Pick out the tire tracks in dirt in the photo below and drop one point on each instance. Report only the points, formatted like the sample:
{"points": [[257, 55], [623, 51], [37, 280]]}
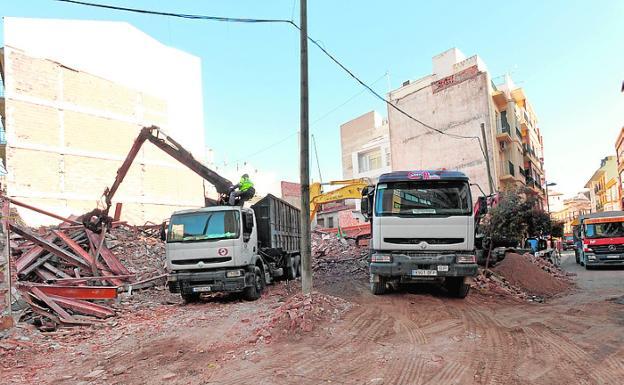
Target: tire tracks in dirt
{"points": [[600, 373]]}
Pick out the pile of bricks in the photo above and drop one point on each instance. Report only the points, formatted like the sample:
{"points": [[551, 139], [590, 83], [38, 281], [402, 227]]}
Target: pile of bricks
{"points": [[331, 253]]}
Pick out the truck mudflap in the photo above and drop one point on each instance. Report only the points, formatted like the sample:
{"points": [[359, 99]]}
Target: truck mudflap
{"points": [[207, 282], [423, 267]]}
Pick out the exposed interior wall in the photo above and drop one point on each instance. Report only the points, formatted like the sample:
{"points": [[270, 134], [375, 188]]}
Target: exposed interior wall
{"points": [[67, 133], [456, 108]]}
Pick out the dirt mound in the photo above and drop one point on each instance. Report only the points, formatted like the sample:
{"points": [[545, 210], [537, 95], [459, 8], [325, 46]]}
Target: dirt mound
{"points": [[521, 272]]}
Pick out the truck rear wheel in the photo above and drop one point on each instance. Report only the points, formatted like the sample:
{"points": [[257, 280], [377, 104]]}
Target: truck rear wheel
{"points": [[254, 291], [457, 286], [379, 288], [293, 270]]}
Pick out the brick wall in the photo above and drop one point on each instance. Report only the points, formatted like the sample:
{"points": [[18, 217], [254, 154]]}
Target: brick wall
{"points": [[67, 133]]}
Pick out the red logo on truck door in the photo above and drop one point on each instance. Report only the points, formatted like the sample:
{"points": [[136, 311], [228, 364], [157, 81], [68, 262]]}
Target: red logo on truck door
{"points": [[222, 251]]}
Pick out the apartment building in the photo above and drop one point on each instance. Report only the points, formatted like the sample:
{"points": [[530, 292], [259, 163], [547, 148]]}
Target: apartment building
{"points": [[619, 153], [603, 186], [571, 209], [76, 93], [457, 98], [365, 145]]}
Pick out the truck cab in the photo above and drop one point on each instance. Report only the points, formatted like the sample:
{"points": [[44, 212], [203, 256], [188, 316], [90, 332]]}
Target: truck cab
{"points": [[214, 249], [423, 230], [601, 237]]}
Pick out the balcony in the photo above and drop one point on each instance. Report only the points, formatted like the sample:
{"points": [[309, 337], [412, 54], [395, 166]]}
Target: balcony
{"points": [[500, 99], [530, 155], [510, 176]]}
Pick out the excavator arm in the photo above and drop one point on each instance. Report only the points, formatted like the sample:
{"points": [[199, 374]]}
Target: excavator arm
{"points": [[167, 144], [352, 189]]}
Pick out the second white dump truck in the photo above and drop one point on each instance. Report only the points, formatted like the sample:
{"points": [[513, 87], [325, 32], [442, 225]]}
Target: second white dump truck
{"points": [[423, 229]]}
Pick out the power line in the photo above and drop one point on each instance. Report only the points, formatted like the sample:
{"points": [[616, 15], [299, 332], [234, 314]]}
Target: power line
{"points": [[181, 15], [282, 21], [313, 123]]}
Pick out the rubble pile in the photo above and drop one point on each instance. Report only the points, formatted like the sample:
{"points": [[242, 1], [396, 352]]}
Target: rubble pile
{"points": [[338, 255], [548, 267], [67, 275], [488, 281], [302, 313], [529, 274]]}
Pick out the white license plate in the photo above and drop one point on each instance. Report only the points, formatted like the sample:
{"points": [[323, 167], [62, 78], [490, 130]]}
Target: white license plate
{"points": [[443, 268], [420, 272], [202, 289]]}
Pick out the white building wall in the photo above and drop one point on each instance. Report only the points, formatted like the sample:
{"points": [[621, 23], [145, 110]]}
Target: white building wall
{"points": [[121, 53]]}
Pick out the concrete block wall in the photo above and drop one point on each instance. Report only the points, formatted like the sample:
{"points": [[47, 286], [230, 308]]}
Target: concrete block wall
{"points": [[68, 131]]}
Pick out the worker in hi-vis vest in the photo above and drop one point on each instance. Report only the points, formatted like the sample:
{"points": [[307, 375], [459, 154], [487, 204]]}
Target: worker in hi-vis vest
{"points": [[245, 191]]}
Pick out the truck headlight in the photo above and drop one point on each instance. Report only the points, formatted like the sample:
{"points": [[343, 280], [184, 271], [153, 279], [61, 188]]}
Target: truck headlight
{"points": [[466, 259], [386, 258], [233, 273]]}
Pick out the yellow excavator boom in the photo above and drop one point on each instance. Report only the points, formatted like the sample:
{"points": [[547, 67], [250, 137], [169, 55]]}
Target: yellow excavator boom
{"points": [[352, 189]]}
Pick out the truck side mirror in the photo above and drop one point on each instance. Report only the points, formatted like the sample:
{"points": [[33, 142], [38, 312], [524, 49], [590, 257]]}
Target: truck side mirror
{"points": [[365, 203], [364, 208], [483, 205]]}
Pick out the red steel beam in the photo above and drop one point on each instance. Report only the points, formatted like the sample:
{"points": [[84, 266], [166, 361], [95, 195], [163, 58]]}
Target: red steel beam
{"points": [[76, 292], [41, 211], [84, 307], [63, 315], [31, 255], [111, 260], [117, 215], [51, 247]]}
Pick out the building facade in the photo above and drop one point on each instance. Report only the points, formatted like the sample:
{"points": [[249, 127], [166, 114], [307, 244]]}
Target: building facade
{"points": [[572, 208], [76, 94], [365, 146], [619, 154], [458, 98], [604, 186]]}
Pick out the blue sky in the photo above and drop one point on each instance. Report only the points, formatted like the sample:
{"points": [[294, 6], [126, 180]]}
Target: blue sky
{"points": [[567, 55]]}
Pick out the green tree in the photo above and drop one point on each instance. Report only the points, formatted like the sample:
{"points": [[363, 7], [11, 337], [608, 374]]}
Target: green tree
{"points": [[517, 216]]}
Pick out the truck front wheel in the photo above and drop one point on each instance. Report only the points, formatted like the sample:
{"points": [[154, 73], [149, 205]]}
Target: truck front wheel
{"points": [[379, 287], [190, 297], [457, 286], [254, 291]]}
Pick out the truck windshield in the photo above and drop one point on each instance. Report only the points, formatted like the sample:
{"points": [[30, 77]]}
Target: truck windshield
{"points": [[211, 225], [604, 230], [423, 198]]}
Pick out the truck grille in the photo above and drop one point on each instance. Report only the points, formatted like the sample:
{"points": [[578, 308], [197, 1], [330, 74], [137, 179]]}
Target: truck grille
{"points": [[431, 241], [204, 260], [605, 249]]}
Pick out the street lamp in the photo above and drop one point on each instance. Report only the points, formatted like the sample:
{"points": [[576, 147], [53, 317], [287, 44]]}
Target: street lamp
{"points": [[547, 200]]}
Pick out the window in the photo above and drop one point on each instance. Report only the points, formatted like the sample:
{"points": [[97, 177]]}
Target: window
{"points": [[504, 122], [370, 160], [320, 222], [423, 198], [330, 222], [512, 169], [203, 226]]}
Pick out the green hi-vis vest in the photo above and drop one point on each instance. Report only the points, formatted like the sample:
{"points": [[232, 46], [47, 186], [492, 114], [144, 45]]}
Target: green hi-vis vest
{"points": [[245, 184]]}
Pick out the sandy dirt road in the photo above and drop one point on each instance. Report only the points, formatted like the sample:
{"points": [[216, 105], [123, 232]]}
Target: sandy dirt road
{"points": [[417, 336]]}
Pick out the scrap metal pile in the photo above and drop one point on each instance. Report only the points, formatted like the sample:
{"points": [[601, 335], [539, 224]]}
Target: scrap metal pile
{"points": [[68, 275]]}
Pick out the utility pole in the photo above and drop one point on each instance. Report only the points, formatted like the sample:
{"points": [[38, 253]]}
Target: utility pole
{"points": [[304, 160], [487, 159]]}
